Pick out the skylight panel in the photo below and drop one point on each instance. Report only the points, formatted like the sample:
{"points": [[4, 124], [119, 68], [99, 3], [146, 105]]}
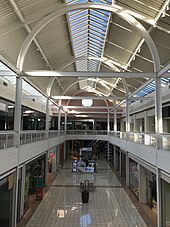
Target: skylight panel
{"points": [[79, 45], [81, 49], [99, 15], [79, 25], [79, 34], [165, 80], [102, 12], [96, 37], [97, 24], [97, 34], [78, 15], [94, 47], [88, 28], [82, 28], [75, 2], [99, 42], [92, 28], [84, 37], [98, 20], [78, 20], [81, 53], [94, 53]]}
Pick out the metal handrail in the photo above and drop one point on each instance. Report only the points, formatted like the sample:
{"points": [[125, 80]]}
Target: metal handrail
{"points": [[148, 139]]}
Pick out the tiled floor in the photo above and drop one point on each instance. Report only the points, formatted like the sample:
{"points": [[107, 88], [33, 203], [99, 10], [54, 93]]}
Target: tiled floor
{"points": [[109, 204]]}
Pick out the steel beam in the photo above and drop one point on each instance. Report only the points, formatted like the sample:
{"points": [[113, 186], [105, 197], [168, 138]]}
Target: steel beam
{"points": [[112, 9], [46, 73], [99, 98]]}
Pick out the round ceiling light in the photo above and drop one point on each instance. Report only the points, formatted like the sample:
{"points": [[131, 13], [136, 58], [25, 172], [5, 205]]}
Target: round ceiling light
{"points": [[87, 102]]}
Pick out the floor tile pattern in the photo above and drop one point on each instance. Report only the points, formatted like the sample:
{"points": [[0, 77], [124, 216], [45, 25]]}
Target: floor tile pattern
{"points": [[108, 205]]}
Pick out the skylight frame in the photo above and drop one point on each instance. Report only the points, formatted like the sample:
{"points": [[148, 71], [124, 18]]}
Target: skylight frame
{"points": [[94, 23]]}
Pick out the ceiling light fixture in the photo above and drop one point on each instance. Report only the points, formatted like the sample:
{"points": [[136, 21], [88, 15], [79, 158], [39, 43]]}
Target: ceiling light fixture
{"points": [[87, 102]]}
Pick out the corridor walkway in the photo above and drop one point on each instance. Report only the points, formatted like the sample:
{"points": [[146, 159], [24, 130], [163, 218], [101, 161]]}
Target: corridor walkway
{"points": [[108, 205]]}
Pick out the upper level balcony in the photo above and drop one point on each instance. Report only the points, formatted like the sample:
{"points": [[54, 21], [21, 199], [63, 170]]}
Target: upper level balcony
{"points": [[148, 139]]}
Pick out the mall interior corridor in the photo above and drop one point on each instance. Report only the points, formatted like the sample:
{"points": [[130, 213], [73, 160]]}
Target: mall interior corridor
{"points": [[109, 204]]}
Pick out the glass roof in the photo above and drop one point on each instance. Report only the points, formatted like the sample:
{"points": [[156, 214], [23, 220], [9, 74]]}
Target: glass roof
{"points": [[88, 30], [26, 87], [151, 87]]}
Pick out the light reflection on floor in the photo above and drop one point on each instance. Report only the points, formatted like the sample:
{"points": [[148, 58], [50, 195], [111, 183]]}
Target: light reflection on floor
{"points": [[108, 205]]}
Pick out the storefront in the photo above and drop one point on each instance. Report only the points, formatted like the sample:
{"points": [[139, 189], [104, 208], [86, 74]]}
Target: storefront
{"points": [[165, 203], [34, 169], [6, 199], [61, 154], [151, 190], [123, 164], [52, 159], [134, 176]]}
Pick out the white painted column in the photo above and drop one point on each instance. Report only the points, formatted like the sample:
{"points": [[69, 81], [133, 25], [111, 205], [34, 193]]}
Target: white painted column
{"points": [[58, 157], [115, 120], [65, 123], [120, 163], [22, 190], [158, 129], [108, 123], [47, 117], [17, 131], [59, 119], [54, 166], [115, 158], [146, 123], [142, 185], [127, 169], [65, 150], [108, 151], [127, 116], [46, 168], [134, 122]]}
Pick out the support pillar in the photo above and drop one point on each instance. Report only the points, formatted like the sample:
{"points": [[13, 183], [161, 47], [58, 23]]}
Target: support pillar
{"points": [[17, 131], [65, 123], [108, 123], [72, 147], [59, 119], [120, 164], [127, 169], [46, 168], [47, 117], [22, 189], [142, 185], [146, 123], [108, 151], [127, 116], [158, 129], [115, 121]]}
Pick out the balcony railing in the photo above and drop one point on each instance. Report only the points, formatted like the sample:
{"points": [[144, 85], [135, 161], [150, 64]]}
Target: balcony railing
{"points": [[32, 136], [148, 139], [6, 140], [87, 132]]}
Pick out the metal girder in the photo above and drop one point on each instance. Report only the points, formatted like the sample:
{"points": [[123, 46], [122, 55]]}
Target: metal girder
{"points": [[21, 18], [102, 59], [44, 73], [88, 107], [99, 98], [164, 70], [86, 97], [113, 9], [88, 112]]}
